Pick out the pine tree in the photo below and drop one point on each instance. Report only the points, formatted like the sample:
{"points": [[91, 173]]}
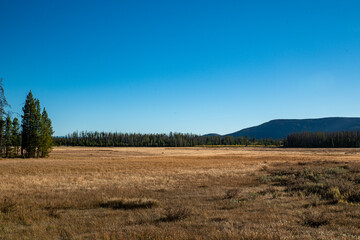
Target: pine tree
{"points": [[2, 138], [3, 105], [25, 124], [36, 136], [16, 135], [36, 130], [29, 132], [46, 132], [8, 136]]}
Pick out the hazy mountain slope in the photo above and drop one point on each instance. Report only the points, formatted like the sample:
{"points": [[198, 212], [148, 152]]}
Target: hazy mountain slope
{"points": [[211, 135], [281, 128]]}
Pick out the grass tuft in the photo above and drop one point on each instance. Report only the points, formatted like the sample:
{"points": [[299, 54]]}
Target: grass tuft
{"points": [[232, 193], [315, 219], [7, 206], [175, 214]]}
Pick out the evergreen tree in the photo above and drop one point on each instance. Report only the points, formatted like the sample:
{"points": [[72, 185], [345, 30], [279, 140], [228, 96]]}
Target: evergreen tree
{"points": [[36, 136], [16, 135], [46, 132], [36, 131], [3, 105], [2, 138], [8, 136], [29, 132]]}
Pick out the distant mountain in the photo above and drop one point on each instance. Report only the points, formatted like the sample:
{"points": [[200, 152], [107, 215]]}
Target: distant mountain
{"points": [[211, 135], [277, 129]]}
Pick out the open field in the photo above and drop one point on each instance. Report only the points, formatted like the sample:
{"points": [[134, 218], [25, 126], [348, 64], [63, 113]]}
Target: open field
{"points": [[182, 193]]}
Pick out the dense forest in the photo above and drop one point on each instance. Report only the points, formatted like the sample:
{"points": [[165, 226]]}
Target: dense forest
{"points": [[346, 139], [105, 139]]}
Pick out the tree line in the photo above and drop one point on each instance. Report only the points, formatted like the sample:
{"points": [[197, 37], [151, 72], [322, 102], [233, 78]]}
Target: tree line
{"points": [[30, 138], [108, 139], [345, 139]]}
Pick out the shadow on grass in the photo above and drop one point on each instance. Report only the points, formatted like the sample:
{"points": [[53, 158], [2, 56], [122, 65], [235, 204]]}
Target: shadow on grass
{"points": [[128, 204]]}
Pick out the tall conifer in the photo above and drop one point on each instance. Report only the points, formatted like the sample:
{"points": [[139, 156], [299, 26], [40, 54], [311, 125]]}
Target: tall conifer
{"points": [[2, 138], [36, 129], [46, 132], [16, 135], [3, 105], [8, 136], [28, 143]]}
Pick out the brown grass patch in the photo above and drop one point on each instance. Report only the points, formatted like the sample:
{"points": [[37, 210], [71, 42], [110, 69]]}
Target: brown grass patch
{"points": [[182, 193], [315, 219], [176, 214]]}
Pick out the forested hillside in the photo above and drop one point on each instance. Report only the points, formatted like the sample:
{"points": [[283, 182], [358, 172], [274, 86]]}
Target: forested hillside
{"points": [[278, 129]]}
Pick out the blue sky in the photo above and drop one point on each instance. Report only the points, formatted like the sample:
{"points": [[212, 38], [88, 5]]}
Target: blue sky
{"points": [[183, 66]]}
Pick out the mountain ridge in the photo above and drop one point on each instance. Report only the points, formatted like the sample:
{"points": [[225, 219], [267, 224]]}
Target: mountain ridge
{"points": [[280, 128]]}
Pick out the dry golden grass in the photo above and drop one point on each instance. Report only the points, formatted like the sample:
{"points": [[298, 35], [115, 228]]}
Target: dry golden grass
{"points": [[170, 193]]}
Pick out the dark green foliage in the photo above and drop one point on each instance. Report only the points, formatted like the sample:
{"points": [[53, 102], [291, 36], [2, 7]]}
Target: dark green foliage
{"points": [[103, 139], [46, 132], [2, 136], [347, 139], [16, 135], [8, 137], [3, 105], [29, 131], [36, 129], [35, 134]]}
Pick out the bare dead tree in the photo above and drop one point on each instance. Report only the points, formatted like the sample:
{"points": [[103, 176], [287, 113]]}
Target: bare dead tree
{"points": [[3, 101]]}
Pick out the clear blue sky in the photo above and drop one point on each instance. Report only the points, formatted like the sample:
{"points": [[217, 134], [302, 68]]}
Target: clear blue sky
{"points": [[184, 66]]}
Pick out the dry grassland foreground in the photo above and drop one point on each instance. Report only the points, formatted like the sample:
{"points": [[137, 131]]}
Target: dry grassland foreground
{"points": [[182, 193]]}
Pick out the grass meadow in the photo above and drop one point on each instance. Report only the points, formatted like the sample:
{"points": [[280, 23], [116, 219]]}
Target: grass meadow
{"points": [[182, 193]]}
